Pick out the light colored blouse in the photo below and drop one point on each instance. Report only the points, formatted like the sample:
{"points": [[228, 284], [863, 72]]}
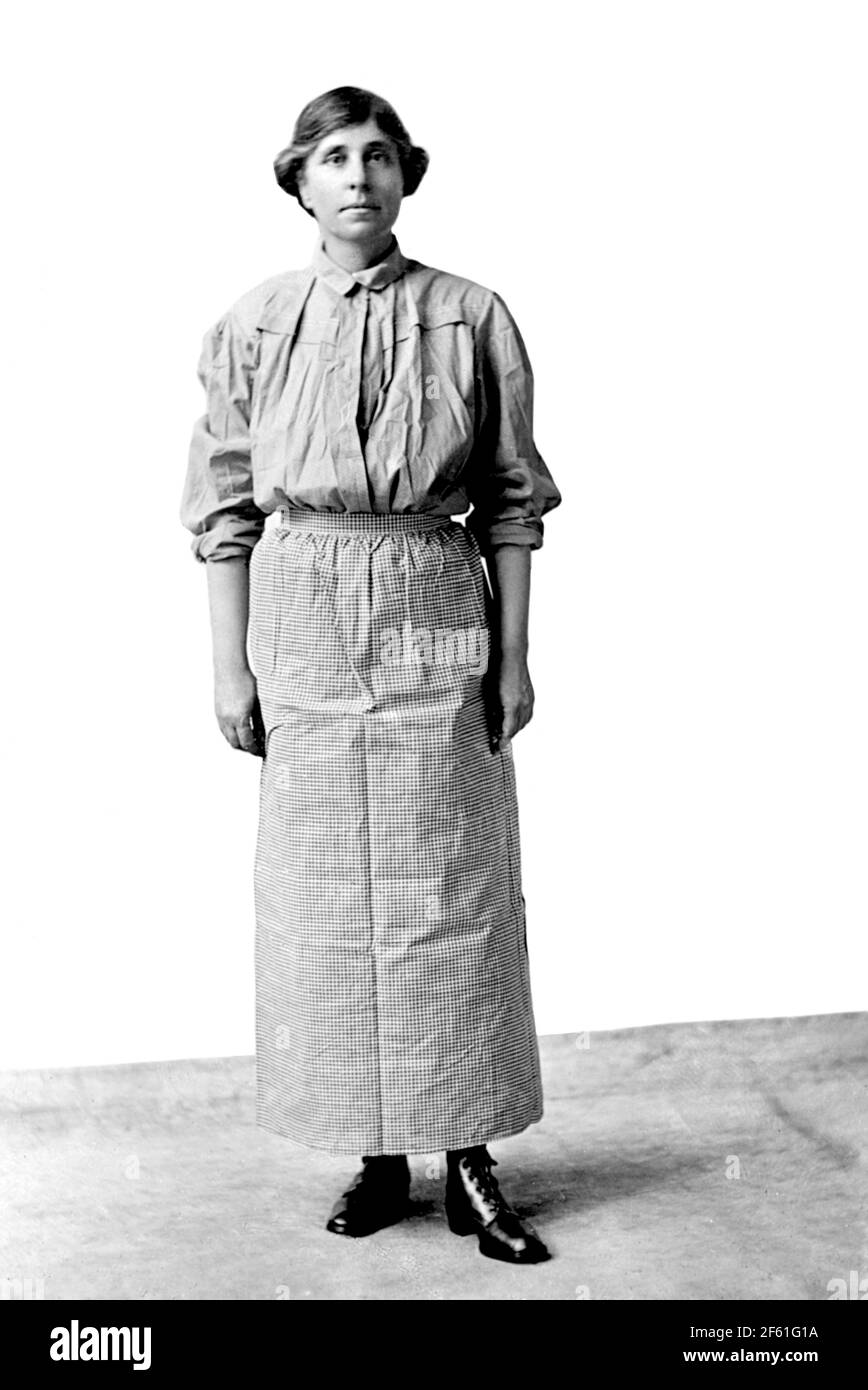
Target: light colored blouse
{"points": [[399, 388]]}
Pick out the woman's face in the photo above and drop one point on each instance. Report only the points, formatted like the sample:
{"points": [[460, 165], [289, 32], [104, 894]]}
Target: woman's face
{"points": [[353, 184]]}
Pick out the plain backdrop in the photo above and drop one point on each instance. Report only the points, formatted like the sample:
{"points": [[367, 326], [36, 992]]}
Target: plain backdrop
{"points": [[671, 198]]}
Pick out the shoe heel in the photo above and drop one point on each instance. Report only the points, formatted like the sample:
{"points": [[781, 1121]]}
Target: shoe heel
{"points": [[460, 1219]]}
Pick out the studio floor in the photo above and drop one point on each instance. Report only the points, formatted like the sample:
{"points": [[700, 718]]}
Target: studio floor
{"points": [[700, 1161]]}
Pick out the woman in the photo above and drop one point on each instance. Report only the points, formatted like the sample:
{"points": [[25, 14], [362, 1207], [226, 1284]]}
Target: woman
{"points": [[371, 399]]}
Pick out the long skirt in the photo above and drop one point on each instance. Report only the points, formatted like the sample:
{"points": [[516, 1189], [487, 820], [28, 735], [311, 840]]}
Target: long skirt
{"points": [[393, 1003]]}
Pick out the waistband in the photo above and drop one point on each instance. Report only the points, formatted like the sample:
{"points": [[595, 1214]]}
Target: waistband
{"points": [[308, 519]]}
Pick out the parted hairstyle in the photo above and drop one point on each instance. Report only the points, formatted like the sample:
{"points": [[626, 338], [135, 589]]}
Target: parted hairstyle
{"points": [[344, 106]]}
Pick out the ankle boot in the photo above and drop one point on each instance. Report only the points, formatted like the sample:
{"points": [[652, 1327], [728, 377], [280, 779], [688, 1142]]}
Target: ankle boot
{"points": [[377, 1197], [475, 1205]]}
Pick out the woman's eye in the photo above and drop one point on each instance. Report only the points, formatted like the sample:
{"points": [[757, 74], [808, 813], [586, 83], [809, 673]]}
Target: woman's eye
{"points": [[333, 158]]}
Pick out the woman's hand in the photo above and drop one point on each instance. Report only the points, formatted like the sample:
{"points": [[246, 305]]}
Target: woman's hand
{"points": [[515, 696], [235, 700], [509, 570], [237, 708]]}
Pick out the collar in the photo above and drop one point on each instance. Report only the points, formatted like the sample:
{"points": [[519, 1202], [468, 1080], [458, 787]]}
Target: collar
{"points": [[375, 277]]}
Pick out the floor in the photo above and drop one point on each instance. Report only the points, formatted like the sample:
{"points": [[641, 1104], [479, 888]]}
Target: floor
{"points": [[699, 1161]]}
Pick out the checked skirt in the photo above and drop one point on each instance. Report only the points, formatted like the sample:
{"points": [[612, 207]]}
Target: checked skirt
{"points": [[393, 1002]]}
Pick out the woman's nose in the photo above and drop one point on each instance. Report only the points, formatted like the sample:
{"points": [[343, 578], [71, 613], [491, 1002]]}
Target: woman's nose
{"points": [[356, 171]]}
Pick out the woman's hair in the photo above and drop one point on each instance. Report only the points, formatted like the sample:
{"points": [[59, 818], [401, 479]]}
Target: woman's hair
{"points": [[344, 106]]}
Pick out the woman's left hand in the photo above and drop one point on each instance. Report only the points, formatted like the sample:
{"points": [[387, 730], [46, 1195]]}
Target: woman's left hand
{"points": [[515, 696]]}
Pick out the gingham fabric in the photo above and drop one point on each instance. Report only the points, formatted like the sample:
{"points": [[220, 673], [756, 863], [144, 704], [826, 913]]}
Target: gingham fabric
{"points": [[393, 1004]]}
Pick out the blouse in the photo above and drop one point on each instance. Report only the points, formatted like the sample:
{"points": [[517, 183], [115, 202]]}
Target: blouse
{"points": [[398, 388]]}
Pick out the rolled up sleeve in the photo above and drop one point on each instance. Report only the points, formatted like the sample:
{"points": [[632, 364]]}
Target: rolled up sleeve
{"points": [[509, 483], [217, 503]]}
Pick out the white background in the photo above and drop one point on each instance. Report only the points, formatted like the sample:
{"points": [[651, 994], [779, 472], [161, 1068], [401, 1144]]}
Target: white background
{"points": [[671, 197]]}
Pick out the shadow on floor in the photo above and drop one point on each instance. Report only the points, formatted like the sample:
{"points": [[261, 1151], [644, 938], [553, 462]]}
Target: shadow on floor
{"points": [[700, 1161]]}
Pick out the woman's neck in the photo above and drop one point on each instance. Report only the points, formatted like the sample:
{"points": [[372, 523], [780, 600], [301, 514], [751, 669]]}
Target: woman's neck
{"points": [[351, 255]]}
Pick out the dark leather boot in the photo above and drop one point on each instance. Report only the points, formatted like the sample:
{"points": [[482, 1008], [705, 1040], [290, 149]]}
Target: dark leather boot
{"points": [[377, 1197], [475, 1205]]}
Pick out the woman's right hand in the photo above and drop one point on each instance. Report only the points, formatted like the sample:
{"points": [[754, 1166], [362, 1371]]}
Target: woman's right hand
{"points": [[236, 705]]}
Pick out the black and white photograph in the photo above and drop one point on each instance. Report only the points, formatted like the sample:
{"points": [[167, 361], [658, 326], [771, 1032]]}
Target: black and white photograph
{"points": [[436, 693]]}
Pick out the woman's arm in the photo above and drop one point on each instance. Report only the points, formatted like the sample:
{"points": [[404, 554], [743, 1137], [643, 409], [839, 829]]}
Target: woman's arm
{"points": [[235, 702], [218, 505], [511, 489], [510, 579]]}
